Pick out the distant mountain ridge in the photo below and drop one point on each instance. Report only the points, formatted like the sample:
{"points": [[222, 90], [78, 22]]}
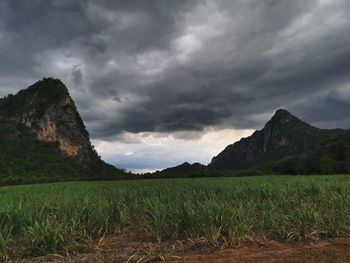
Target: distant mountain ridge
{"points": [[195, 169], [43, 135], [281, 136], [286, 144]]}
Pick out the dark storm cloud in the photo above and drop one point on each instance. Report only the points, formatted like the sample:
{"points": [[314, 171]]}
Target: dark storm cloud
{"points": [[169, 66], [329, 111]]}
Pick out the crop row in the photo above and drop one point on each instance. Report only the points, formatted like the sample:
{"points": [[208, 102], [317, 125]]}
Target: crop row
{"points": [[38, 219]]}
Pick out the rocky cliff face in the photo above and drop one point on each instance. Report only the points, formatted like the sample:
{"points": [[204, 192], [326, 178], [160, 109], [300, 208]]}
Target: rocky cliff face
{"points": [[43, 138], [49, 112], [283, 135]]}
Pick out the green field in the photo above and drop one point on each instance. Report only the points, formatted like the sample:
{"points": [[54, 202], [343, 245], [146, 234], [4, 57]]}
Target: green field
{"points": [[40, 219]]}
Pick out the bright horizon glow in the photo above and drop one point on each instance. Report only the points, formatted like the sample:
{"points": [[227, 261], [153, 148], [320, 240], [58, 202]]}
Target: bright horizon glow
{"points": [[148, 152]]}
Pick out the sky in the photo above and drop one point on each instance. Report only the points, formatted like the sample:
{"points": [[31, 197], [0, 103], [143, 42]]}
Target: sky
{"points": [[158, 83]]}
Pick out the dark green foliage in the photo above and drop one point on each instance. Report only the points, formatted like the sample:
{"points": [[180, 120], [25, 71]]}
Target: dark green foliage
{"points": [[27, 160], [332, 156], [190, 170], [23, 159]]}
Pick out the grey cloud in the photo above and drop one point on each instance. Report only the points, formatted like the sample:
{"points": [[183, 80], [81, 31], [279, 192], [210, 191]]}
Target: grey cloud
{"points": [[170, 66], [77, 75], [329, 111]]}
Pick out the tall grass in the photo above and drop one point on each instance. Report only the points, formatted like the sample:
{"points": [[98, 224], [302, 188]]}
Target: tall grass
{"points": [[5, 235], [40, 219]]}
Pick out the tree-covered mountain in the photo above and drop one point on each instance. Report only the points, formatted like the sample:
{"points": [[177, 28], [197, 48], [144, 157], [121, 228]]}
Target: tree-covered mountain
{"points": [[191, 170], [331, 156], [283, 135], [286, 145], [43, 138]]}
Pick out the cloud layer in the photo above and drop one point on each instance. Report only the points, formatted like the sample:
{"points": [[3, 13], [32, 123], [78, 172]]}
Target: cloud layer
{"points": [[181, 67]]}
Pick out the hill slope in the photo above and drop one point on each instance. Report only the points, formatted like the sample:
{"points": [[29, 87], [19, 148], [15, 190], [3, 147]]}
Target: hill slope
{"points": [[191, 170], [282, 136], [43, 138], [331, 156], [286, 145]]}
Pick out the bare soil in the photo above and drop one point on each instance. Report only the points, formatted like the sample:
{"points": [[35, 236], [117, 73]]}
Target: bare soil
{"points": [[332, 250], [132, 246]]}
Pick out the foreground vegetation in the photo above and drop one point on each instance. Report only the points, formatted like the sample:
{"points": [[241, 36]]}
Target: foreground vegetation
{"points": [[39, 219]]}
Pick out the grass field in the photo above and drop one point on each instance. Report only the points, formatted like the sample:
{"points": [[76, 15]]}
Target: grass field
{"points": [[40, 219]]}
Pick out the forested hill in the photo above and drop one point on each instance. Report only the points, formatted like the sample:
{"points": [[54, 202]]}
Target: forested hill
{"points": [[284, 135], [286, 145], [43, 138]]}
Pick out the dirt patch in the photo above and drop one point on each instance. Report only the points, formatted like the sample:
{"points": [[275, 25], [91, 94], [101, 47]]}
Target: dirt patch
{"points": [[327, 251], [132, 246]]}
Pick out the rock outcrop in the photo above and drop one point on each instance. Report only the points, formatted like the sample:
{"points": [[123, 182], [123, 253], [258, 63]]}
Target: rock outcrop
{"points": [[47, 109], [45, 114]]}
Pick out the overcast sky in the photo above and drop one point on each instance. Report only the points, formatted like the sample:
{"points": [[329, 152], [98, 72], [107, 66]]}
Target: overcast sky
{"points": [[162, 82]]}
